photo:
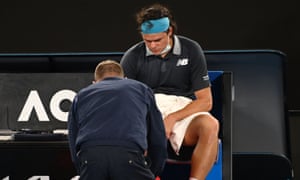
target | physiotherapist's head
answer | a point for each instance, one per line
(157, 27)
(107, 68)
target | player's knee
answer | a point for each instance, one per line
(212, 125)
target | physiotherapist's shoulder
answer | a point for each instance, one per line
(137, 83)
(84, 89)
(134, 82)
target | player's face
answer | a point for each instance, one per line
(156, 42)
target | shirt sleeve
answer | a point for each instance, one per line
(199, 72)
(72, 134)
(157, 141)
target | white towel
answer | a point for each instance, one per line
(171, 103)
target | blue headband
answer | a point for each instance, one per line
(155, 26)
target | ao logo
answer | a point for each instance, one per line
(33, 101)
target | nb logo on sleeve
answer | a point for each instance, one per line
(182, 62)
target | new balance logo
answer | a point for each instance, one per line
(182, 62)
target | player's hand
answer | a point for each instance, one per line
(169, 123)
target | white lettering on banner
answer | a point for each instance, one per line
(39, 178)
(33, 101)
(57, 98)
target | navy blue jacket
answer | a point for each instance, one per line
(120, 112)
